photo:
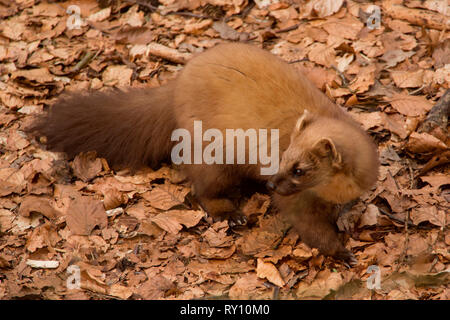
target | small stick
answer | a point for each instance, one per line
(83, 62)
(425, 18)
(295, 26)
(392, 217)
(167, 53)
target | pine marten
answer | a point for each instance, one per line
(327, 159)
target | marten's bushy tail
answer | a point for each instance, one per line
(131, 128)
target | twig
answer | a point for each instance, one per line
(83, 62)
(299, 60)
(344, 79)
(437, 160)
(425, 18)
(170, 54)
(395, 181)
(392, 217)
(411, 175)
(287, 29)
(275, 247)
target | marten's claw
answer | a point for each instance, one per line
(348, 258)
(237, 219)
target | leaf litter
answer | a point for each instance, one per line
(139, 235)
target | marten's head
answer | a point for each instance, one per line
(329, 156)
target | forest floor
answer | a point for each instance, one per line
(76, 229)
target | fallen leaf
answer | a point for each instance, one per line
(117, 75)
(172, 220)
(408, 79)
(321, 286)
(166, 196)
(40, 75)
(436, 180)
(322, 54)
(87, 166)
(410, 105)
(267, 270)
(370, 216)
(322, 8)
(43, 205)
(84, 214)
(424, 142)
(247, 287)
(122, 292)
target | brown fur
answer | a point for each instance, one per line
(229, 87)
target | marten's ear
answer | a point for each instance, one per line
(325, 148)
(304, 119)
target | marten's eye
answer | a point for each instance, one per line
(298, 172)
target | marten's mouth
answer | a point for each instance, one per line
(280, 189)
(284, 192)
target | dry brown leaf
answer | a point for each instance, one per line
(302, 252)
(267, 270)
(41, 75)
(154, 288)
(198, 27)
(394, 57)
(410, 105)
(43, 205)
(134, 35)
(321, 8)
(122, 292)
(436, 180)
(256, 241)
(430, 214)
(364, 79)
(166, 196)
(258, 204)
(208, 252)
(276, 255)
(113, 198)
(228, 33)
(16, 141)
(117, 75)
(322, 54)
(87, 166)
(321, 286)
(348, 27)
(84, 214)
(370, 216)
(216, 235)
(248, 287)
(100, 15)
(172, 220)
(408, 79)
(424, 142)
(6, 219)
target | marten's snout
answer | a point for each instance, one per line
(270, 185)
(280, 185)
(273, 182)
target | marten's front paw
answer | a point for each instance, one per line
(237, 218)
(347, 257)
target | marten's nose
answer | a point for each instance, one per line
(270, 185)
